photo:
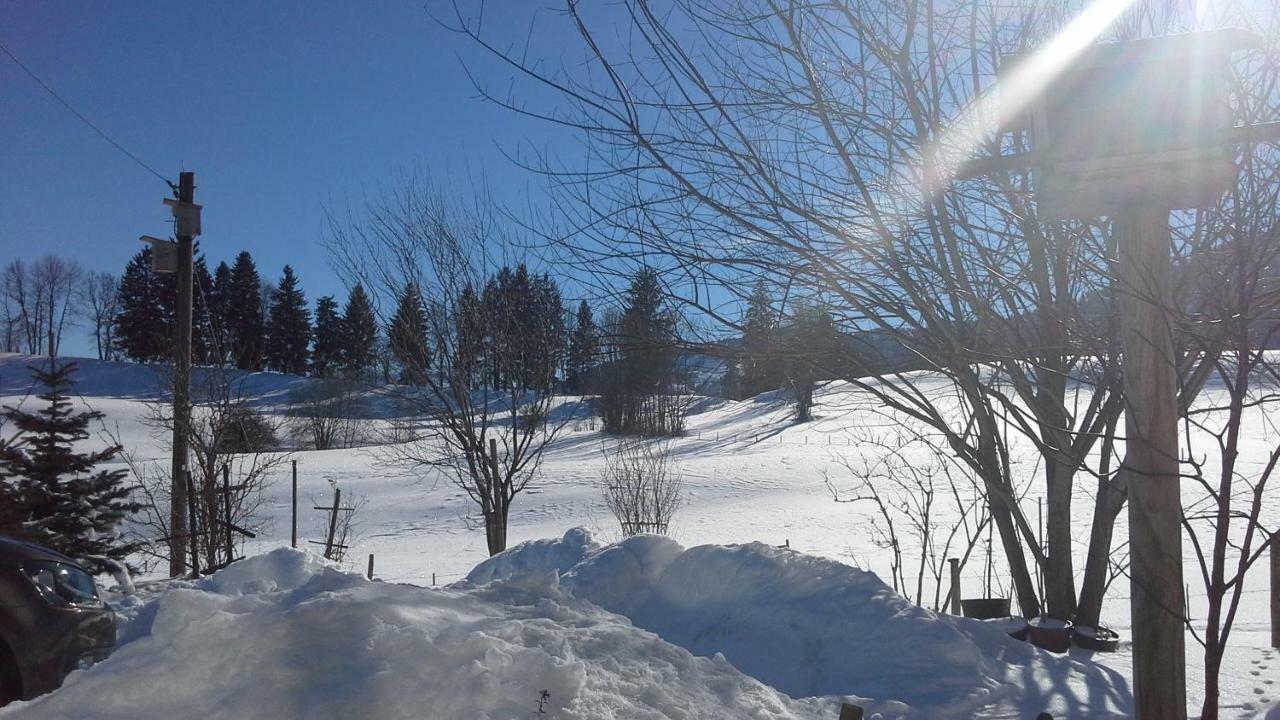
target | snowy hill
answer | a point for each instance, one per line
(750, 475)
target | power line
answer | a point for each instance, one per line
(84, 119)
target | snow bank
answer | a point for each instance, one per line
(284, 635)
(812, 627)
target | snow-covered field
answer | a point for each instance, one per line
(284, 636)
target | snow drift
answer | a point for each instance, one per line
(284, 635)
(809, 626)
(641, 629)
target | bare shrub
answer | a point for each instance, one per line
(641, 486)
(234, 449)
(919, 498)
(329, 414)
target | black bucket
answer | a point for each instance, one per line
(985, 608)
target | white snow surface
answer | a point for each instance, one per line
(640, 629)
(749, 474)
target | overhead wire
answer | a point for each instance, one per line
(84, 119)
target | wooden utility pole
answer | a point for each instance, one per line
(185, 233)
(1157, 604)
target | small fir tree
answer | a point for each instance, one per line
(407, 336)
(469, 329)
(144, 324)
(288, 327)
(359, 334)
(326, 350)
(584, 346)
(761, 367)
(244, 314)
(61, 501)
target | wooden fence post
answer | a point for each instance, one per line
(370, 573)
(226, 506)
(1275, 589)
(191, 523)
(333, 523)
(293, 536)
(955, 586)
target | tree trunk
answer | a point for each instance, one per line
(1107, 507)
(1059, 576)
(1212, 666)
(1024, 588)
(495, 528)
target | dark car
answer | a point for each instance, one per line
(52, 620)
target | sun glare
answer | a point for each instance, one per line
(1003, 103)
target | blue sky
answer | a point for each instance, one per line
(279, 107)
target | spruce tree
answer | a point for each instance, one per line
(219, 307)
(244, 314)
(359, 334)
(469, 330)
(584, 344)
(551, 335)
(761, 368)
(144, 324)
(407, 336)
(288, 332)
(648, 334)
(811, 340)
(326, 350)
(62, 501)
(203, 342)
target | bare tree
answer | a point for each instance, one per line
(327, 414)
(1228, 315)
(641, 486)
(234, 449)
(100, 296)
(815, 145)
(39, 302)
(489, 439)
(915, 489)
(55, 281)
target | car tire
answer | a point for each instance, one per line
(10, 679)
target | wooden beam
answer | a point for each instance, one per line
(1151, 457)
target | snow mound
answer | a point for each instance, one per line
(285, 635)
(810, 626)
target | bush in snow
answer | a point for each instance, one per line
(641, 487)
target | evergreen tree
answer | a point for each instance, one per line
(63, 503)
(244, 314)
(647, 331)
(543, 333)
(407, 336)
(584, 344)
(326, 350)
(761, 368)
(144, 324)
(469, 330)
(220, 298)
(288, 332)
(503, 316)
(359, 334)
(810, 341)
(203, 342)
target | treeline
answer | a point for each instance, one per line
(511, 333)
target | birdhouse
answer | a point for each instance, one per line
(164, 254)
(1143, 121)
(186, 217)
